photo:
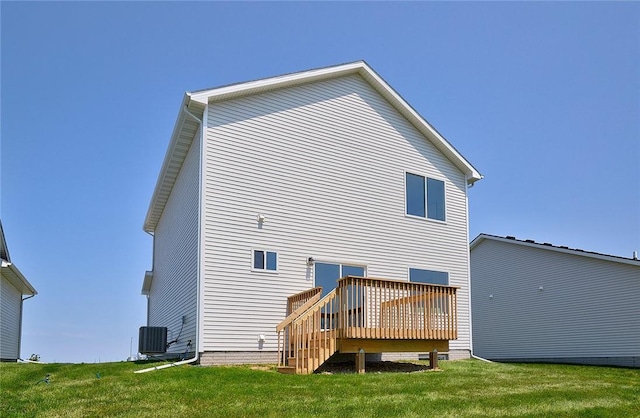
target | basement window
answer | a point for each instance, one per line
(265, 260)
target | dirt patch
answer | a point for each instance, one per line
(262, 368)
(374, 367)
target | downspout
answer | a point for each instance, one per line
(20, 324)
(466, 203)
(196, 356)
(153, 262)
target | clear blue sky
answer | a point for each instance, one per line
(543, 98)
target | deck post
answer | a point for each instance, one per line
(360, 361)
(433, 359)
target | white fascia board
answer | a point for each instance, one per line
(17, 279)
(572, 251)
(477, 240)
(272, 83)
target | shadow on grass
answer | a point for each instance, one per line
(373, 367)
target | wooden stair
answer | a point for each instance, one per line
(312, 337)
(317, 351)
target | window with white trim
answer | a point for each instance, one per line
(265, 260)
(424, 197)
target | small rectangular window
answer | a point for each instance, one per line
(429, 276)
(265, 260)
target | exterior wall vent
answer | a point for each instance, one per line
(152, 340)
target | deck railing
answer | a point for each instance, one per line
(389, 309)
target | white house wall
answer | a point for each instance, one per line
(531, 303)
(10, 320)
(325, 163)
(173, 289)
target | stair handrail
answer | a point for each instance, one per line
(315, 307)
(312, 296)
(302, 333)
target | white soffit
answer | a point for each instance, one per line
(17, 279)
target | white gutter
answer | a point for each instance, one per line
(196, 346)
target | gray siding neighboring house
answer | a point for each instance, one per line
(323, 156)
(12, 289)
(543, 303)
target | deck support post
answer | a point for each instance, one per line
(360, 361)
(433, 359)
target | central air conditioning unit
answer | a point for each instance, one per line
(152, 340)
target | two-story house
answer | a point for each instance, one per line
(272, 187)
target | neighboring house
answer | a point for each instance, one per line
(274, 186)
(13, 287)
(543, 303)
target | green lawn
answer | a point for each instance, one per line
(460, 389)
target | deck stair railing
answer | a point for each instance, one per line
(312, 337)
(296, 305)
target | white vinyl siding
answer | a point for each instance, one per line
(173, 289)
(10, 314)
(325, 163)
(538, 303)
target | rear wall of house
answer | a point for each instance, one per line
(325, 163)
(542, 305)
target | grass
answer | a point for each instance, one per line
(461, 389)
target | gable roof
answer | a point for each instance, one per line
(4, 251)
(550, 247)
(194, 102)
(9, 270)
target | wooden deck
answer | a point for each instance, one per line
(370, 314)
